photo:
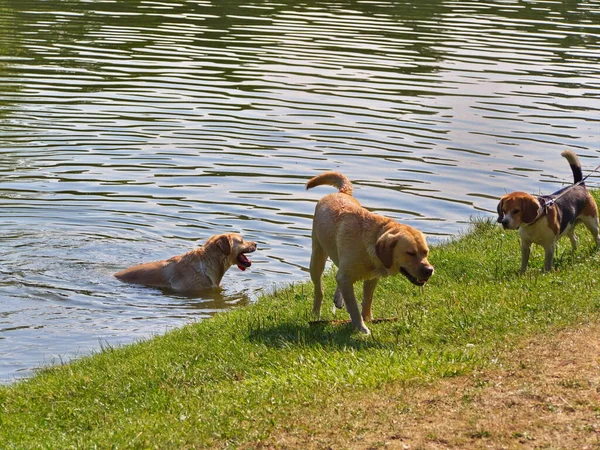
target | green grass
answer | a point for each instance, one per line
(229, 380)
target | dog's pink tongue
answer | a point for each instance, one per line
(243, 262)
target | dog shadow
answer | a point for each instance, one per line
(294, 333)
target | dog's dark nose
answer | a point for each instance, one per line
(499, 220)
(428, 271)
(504, 222)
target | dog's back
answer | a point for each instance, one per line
(574, 200)
(155, 273)
(339, 218)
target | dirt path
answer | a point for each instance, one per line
(548, 396)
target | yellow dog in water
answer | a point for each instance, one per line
(198, 269)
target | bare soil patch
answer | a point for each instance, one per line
(545, 395)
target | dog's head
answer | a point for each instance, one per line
(404, 248)
(234, 248)
(517, 208)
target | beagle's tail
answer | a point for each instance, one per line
(575, 165)
(335, 179)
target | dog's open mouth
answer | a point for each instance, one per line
(242, 260)
(413, 280)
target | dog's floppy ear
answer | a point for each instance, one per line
(500, 211)
(224, 243)
(384, 249)
(529, 209)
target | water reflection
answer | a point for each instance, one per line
(132, 131)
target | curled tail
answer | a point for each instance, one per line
(335, 179)
(575, 165)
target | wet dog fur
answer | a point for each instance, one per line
(199, 269)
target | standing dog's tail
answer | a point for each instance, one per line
(335, 179)
(575, 165)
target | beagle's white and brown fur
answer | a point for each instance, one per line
(543, 225)
(363, 245)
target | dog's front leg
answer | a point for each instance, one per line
(345, 284)
(549, 257)
(525, 251)
(368, 290)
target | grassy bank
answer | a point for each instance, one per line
(234, 379)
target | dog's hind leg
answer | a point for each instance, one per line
(338, 299)
(572, 237)
(591, 224)
(317, 265)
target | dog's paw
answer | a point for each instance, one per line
(364, 330)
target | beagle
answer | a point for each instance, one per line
(543, 220)
(363, 245)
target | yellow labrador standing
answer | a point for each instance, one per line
(364, 246)
(201, 268)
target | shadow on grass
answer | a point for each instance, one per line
(296, 333)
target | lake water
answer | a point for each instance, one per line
(131, 131)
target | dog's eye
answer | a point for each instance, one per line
(516, 211)
(409, 253)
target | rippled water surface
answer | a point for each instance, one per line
(131, 131)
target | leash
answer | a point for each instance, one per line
(546, 205)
